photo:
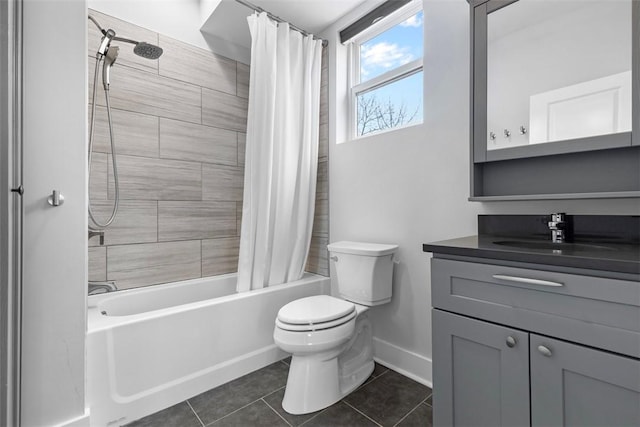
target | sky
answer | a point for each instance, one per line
(399, 45)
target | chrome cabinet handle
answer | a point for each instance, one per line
(545, 351)
(511, 341)
(56, 198)
(527, 280)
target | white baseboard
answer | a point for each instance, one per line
(403, 361)
(81, 421)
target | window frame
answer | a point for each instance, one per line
(356, 88)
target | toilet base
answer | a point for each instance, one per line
(318, 381)
(316, 386)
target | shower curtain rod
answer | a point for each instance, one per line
(278, 19)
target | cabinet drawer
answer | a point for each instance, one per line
(599, 312)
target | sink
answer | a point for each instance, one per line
(544, 245)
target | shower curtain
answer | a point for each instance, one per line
(281, 154)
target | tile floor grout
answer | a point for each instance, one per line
(233, 412)
(362, 413)
(194, 412)
(319, 412)
(411, 411)
(274, 409)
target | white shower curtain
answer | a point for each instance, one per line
(281, 154)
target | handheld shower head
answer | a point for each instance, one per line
(109, 59)
(147, 50)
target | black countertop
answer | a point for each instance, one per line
(615, 257)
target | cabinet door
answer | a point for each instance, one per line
(480, 373)
(574, 385)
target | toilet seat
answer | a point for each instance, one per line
(315, 313)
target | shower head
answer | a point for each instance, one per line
(147, 50)
(109, 59)
(142, 49)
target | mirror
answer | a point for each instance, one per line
(558, 70)
(555, 99)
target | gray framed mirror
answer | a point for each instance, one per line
(555, 87)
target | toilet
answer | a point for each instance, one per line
(330, 338)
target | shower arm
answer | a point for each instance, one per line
(123, 39)
(116, 38)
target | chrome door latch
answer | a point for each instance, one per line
(56, 198)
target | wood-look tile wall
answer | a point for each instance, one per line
(318, 260)
(180, 127)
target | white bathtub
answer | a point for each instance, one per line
(150, 348)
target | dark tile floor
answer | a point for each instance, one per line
(386, 399)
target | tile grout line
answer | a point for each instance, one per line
(277, 413)
(248, 404)
(195, 413)
(316, 415)
(361, 413)
(410, 412)
(381, 374)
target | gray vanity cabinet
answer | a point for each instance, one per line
(518, 345)
(481, 380)
(580, 386)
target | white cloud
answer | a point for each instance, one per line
(385, 55)
(414, 21)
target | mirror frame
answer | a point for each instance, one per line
(481, 158)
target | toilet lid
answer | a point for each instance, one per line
(315, 309)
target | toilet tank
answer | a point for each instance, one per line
(364, 271)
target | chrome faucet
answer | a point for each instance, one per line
(100, 233)
(102, 287)
(557, 225)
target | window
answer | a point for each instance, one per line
(386, 73)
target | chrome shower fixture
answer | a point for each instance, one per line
(142, 49)
(106, 56)
(147, 50)
(109, 60)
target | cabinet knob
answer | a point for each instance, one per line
(511, 342)
(544, 350)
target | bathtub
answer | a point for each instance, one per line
(150, 348)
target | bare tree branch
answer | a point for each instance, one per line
(375, 115)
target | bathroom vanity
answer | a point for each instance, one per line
(530, 332)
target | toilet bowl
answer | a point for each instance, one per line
(322, 370)
(330, 338)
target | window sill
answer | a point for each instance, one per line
(374, 135)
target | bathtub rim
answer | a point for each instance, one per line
(97, 322)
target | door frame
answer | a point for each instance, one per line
(11, 212)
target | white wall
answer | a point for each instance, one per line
(411, 186)
(55, 239)
(178, 19)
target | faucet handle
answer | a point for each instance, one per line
(557, 221)
(557, 225)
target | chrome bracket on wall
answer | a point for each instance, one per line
(56, 198)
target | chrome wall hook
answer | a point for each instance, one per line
(492, 136)
(507, 133)
(523, 130)
(56, 198)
